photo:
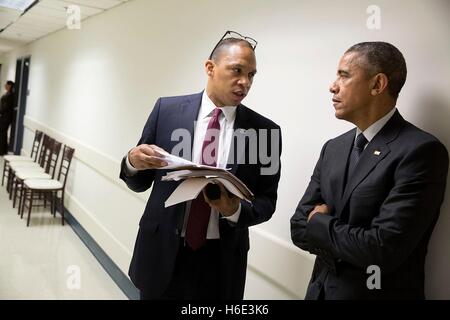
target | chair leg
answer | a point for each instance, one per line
(17, 183)
(24, 199)
(53, 203)
(10, 184)
(21, 197)
(4, 172)
(8, 181)
(55, 195)
(62, 206)
(13, 193)
(29, 209)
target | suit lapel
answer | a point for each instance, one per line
(375, 151)
(340, 166)
(187, 117)
(240, 126)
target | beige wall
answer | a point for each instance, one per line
(94, 88)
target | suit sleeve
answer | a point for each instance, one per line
(143, 180)
(408, 212)
(310, 199)
(263, 206)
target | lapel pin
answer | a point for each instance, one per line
(376, 152)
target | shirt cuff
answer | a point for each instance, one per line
(235, 216)
(131, 171)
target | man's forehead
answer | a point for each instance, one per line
(350, 61)
(237, 50)
(243, 61)
(240, 60)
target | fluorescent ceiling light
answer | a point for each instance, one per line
(20, 5)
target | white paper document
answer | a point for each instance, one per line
(189, 189)
(174, 162)
(196, 177)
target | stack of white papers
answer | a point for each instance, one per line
(196, 177)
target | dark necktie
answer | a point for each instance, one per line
(197, 225)
(358, 148)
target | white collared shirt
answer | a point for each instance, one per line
(374, 128)
(226, 121)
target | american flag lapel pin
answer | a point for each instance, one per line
(376, 152)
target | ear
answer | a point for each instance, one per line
(379, 84)
(209, 68)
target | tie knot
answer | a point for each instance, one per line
(360, 141)
(217, 112)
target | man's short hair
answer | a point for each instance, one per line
(225, 44)
(383, 57)
(10, 83)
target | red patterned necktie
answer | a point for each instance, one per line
(199, 214)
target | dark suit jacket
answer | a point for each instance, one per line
(383, 216)
(160, 228)
(6, 108)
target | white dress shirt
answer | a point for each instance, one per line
(372, 131)
(226, 120)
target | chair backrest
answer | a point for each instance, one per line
(65, 164)
(36, 144)
(47, 142)
(47, 155)
(53, 158)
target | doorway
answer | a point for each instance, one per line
(22, 92)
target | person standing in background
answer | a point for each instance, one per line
(6, 115)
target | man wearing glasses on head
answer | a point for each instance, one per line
(198, 249)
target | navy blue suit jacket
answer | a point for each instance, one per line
(384, 215)
(160, 228)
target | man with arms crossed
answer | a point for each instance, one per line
(376, 191)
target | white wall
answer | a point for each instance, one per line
(94, 88)
(3, 68)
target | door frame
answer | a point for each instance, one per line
(22, 92)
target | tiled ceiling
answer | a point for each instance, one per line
(45, 17)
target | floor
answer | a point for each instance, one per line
(47, 260)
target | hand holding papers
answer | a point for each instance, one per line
(197, 177)
(173, 162)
